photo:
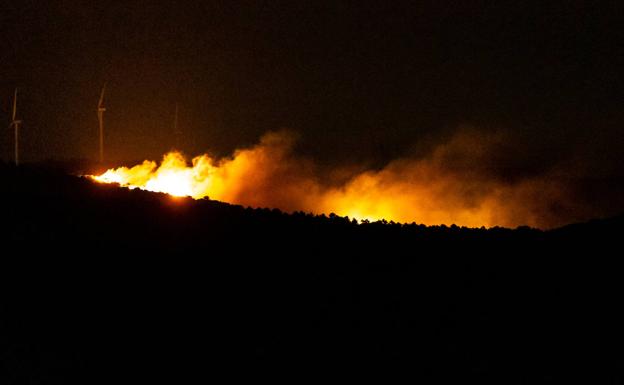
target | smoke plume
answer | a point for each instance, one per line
(472, 179)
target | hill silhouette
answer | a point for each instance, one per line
(108, 285)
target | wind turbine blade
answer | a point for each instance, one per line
(14, 106)
(102, 96)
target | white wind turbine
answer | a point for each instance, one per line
(100, 112)
(15, 123)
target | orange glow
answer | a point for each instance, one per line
(173, 177)
(431, 190)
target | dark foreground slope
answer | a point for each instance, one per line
(107, 285)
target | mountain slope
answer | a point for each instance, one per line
(102, 285)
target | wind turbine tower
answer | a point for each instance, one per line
(15, 123)
(100, 111)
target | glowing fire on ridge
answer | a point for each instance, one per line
(429, 190)
(205, 177)
(173, 177)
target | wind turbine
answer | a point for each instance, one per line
(100, 112)
(15, 123)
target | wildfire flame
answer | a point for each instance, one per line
(425, 190)
(173, 176)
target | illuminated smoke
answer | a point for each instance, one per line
(462, 181)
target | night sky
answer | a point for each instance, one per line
(358, 81)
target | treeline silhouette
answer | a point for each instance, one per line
(108, 285)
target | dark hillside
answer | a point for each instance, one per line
(107, 285)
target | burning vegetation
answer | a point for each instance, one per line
(456, 183)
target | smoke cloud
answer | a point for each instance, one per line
(471, 179)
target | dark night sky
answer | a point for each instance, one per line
(358, 80)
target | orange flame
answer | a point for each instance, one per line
(429, 191)
(173, 176)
